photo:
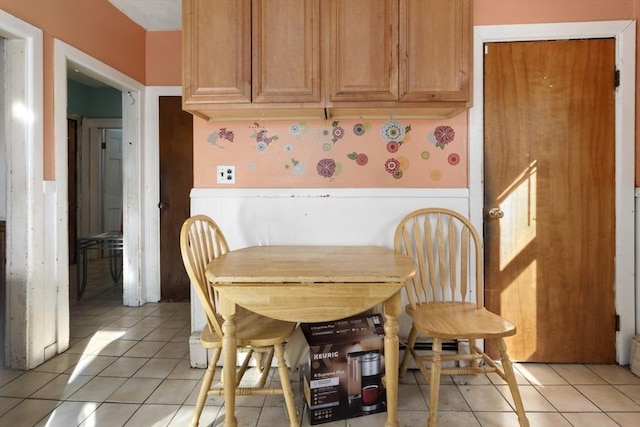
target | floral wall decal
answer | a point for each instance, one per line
(345, 153)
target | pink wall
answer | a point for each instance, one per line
(335, 153)
(94, 27)
(164, 58)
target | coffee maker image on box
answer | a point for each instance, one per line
(366, 393)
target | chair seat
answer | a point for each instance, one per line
(459, 320)
(252, 329)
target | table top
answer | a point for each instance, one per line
(311, 264)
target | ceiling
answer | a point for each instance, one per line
(153, 15)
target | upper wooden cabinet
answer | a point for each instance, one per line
(326, 58)
(409, 51)
(252, 58)
(435, 50)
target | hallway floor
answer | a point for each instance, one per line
(129, 366)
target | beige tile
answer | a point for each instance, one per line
(184, 371)
(625, 419)
(26, 384)
(116, 348)
(157, 368)
(135, 390)
(248, 416)
(173, 392)
(68, 414)
(60, 363)
(97, 389)
(110, 414)
(138, 333)
(154, 321)
(162, 334)
(127, 321)
(144, 349)
(609, 398)
(590, 419)
(615, 374)
(631, 391)
(532, 400)
(8, 375)
(91, 365)
(173, 350)
(28, 412)
(416, 418)
(175, 323)
(153, 415)
(185, 414)
(540, 374)
(449, 399)
(484, 398)
(7, 403)
(577, 374)
(542, 419)
(274, 416)
(567, 399)
(410, 398)
(182, 336)
(61, 387)
(453, 419)
(124, 367)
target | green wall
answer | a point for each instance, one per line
(93, 102)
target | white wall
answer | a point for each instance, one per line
(251, 217)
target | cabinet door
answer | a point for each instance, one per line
(435, 50)
(363, 55)
(216, 51)
(286, 51)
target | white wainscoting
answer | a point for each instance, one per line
(311, 217)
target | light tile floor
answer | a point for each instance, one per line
(129, 366)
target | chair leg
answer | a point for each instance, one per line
(283, 370)
(206, 386)
(507, 367)
(411, 341)
(434, 382)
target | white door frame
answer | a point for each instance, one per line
(25, 345)
(624, 33)
(133, 192)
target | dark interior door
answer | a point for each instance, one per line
(550, 168)
(176, 181)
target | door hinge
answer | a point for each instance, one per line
(104, 145)
(617, 323)
(616, 79)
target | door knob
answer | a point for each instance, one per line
(496, 213)
(163, 205)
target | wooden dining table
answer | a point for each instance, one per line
(311, 284)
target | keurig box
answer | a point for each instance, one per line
(343, 371)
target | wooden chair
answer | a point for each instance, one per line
(201, 241)
(446, 302)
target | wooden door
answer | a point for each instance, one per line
(549, 167)
(72, 186)
(176, 181)
(285, 51)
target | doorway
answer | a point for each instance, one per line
(549, 182)
(624, 34)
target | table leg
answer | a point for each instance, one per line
(229, 345)
(391, 311)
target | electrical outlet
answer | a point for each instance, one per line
(226, 174)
